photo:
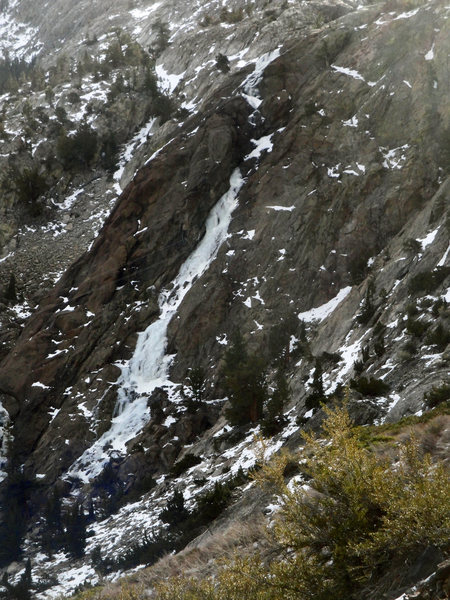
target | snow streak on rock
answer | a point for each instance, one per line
(321, 312)
(149, 366)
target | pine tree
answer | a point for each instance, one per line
(196, 386)
(274, 420)
(368, 307)
(162, 32)
(75, 538)
(78, 150)
(109, 152)
(51, 534)
(222, 63)
(317, 395)
(244, 383)
(10, 294)
(22, 589)
(175, 511)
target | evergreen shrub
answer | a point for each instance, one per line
(369, 386)
(353, 532)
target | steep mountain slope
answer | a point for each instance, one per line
(303, 201)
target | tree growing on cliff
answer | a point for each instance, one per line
(222, 63)
(78, 151)
(161, 32)
(175, 511)
(317, 393)
(274, 419)
(244, 383)
(51, 533)
(196, 388)
(75, 537)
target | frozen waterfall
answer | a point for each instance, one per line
(148, 368)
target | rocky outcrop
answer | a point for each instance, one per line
(341, 138)
(346, 173)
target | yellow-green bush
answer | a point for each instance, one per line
(357, 519)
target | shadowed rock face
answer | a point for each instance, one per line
(355, 119)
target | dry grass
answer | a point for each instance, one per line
(432, 433)
(433, 437)
(197, 559)
(211, 546)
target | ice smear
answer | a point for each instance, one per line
(6, 257)
(127, 153)
(407, 15)
(250, 84)
(349, 354)
(322, 312)
(149, 366)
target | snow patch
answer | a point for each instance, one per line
(353, 122)
(263, 144)
(394, 158)
(322, 312)
(168, 81)
(430, 54)
(443, 260)
(38, 384)
(349, 72)
(140, 14)
(428, 239)
(282, 208)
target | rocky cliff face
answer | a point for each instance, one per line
(327, 148)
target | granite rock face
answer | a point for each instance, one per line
(341, 137)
